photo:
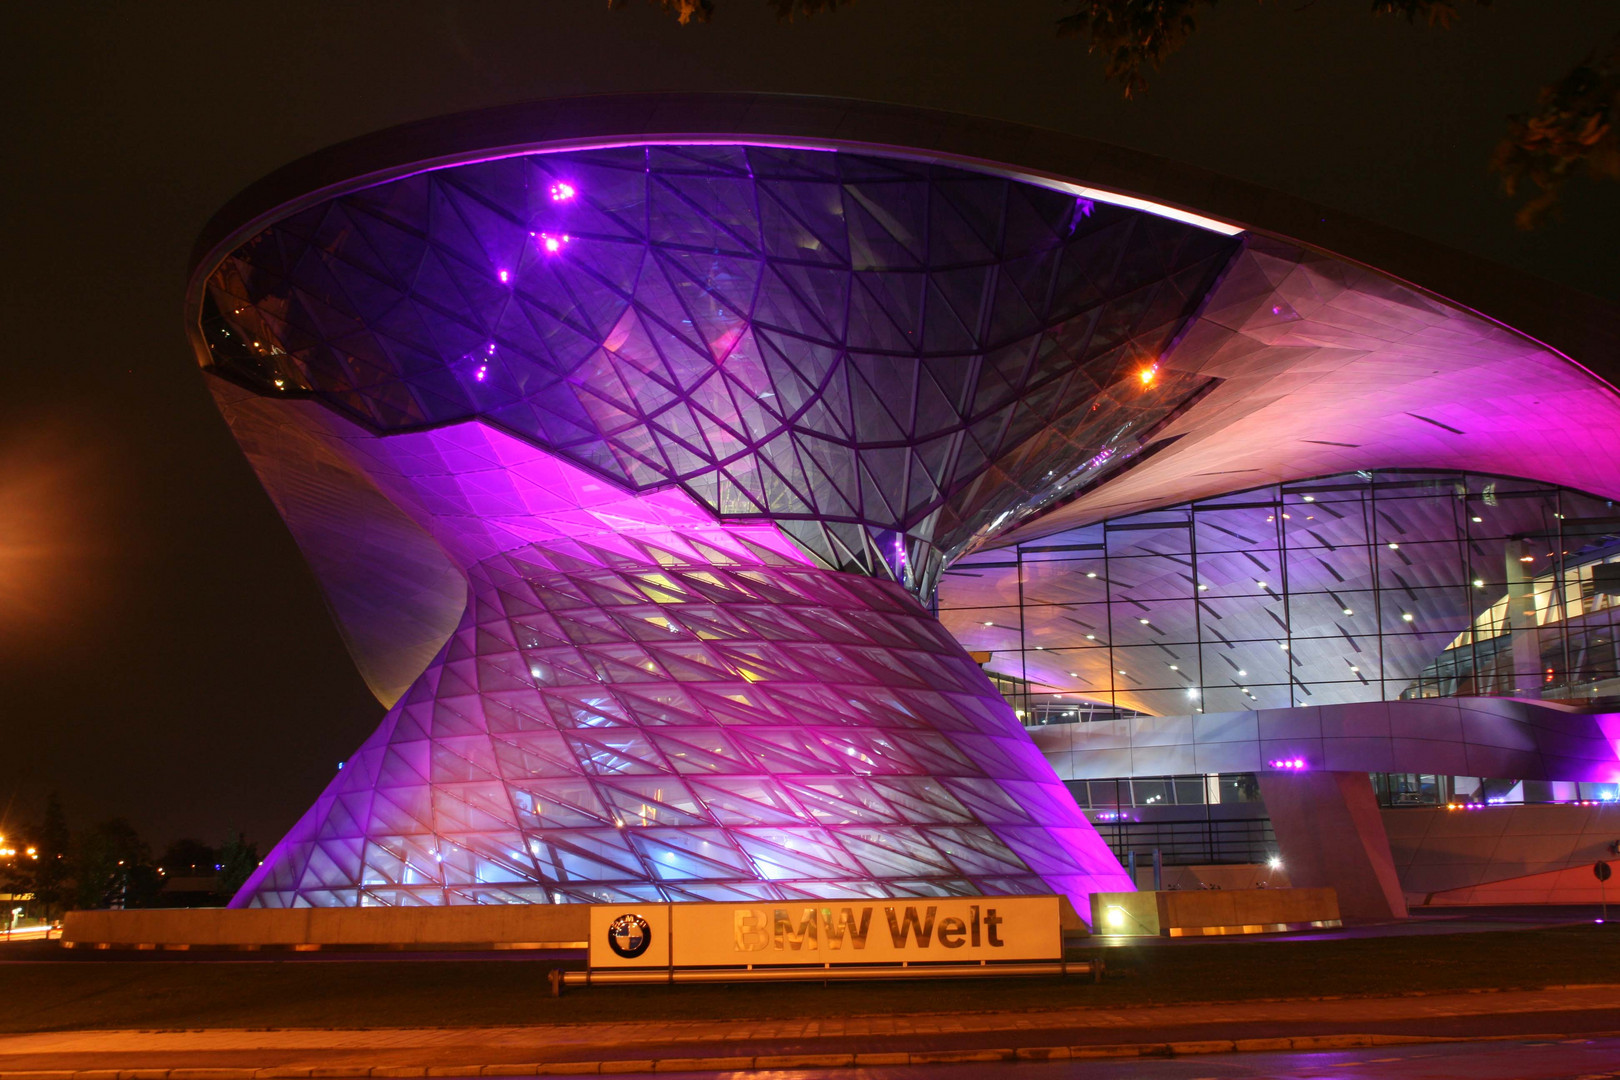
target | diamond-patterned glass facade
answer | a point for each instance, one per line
(642, 702)
(891, 360)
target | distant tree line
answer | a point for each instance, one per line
(109, 865)
(1570, 132)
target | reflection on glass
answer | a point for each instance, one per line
(1362, 587)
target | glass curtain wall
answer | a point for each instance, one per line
(1358, 587)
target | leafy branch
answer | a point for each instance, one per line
(1570, 132)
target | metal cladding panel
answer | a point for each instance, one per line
(1500, 737)
(641, 702)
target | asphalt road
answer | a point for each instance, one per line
(1575, 1059)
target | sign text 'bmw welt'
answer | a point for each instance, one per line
(914, 929)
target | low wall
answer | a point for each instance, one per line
(1463, 853)
(1212, 911)
(481, 926)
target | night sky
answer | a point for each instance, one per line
(165, 654)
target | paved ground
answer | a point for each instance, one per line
(1573, 1011)
(1586, 1059)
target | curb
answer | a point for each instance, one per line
(777, 1061)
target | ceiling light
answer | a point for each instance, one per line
(1407, 616)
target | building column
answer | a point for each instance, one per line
(1525, 682)
(1330, 834)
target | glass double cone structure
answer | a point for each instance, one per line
(630, 472)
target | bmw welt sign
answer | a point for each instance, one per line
(921, 929)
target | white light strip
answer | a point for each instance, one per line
(1157, 209)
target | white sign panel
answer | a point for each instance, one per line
(629, 935)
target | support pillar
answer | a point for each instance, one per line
(1526, 679)
(1330, 834)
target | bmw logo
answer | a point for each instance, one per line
(629, 936)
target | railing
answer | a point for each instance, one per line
(1192, 842)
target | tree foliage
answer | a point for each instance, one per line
(1135, 36)
(237, 860)
(1570, 132)
(1132, 35)
(112, 867)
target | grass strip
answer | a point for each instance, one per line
(263, 992)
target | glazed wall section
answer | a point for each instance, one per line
(1362, 587)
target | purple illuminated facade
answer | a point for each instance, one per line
(640, 701)
(635, 453)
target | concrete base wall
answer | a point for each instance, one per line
(1218, 911)
(506, 925)
(1458, 852)
(1330, 835)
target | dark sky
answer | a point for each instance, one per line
(164, 653)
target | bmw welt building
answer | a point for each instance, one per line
(748, 498)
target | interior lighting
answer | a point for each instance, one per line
(1174, 668)
(1072, 675)
(1203, 588)
(989, 624)
(1144, 622)
(1275, 862)
(562, 191)
(1283, 645)
(1476, 519)
(1349, 611)
(1091, 637)
(1407, 616)
(1242, 673)
(1479, 583)
(1354, 668)
(1310, 498)
(1115, 917)
(1148, 374)
(552, 244)
(504, 275)
(1292, 764)
(1394, 546)
(1122, 671)
(1527, 558)
(1091, 573)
